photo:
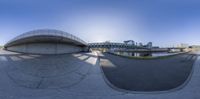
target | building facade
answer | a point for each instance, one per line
(46, 41)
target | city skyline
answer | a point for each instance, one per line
(163, 22)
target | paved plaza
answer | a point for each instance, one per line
(72, 76)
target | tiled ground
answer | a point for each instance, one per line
(75, 76)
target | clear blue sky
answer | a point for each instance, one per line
(164, 22)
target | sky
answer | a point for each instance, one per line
(163, 22)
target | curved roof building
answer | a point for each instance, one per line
(46, 41)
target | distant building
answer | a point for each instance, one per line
(195, 46)
(129, 42)
(155, 47)
(140, 44)
(184, 45)
(149, 45)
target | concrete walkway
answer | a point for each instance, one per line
(89, 86)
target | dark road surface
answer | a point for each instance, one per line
(147, 75)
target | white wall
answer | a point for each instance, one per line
(45, 48)
(20, 48)
(64, 48)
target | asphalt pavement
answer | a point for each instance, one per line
(147, 75)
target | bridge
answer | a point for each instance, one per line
(143, 50)
(112, 45)
(123, 47)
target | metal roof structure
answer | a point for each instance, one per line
(46, 35)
